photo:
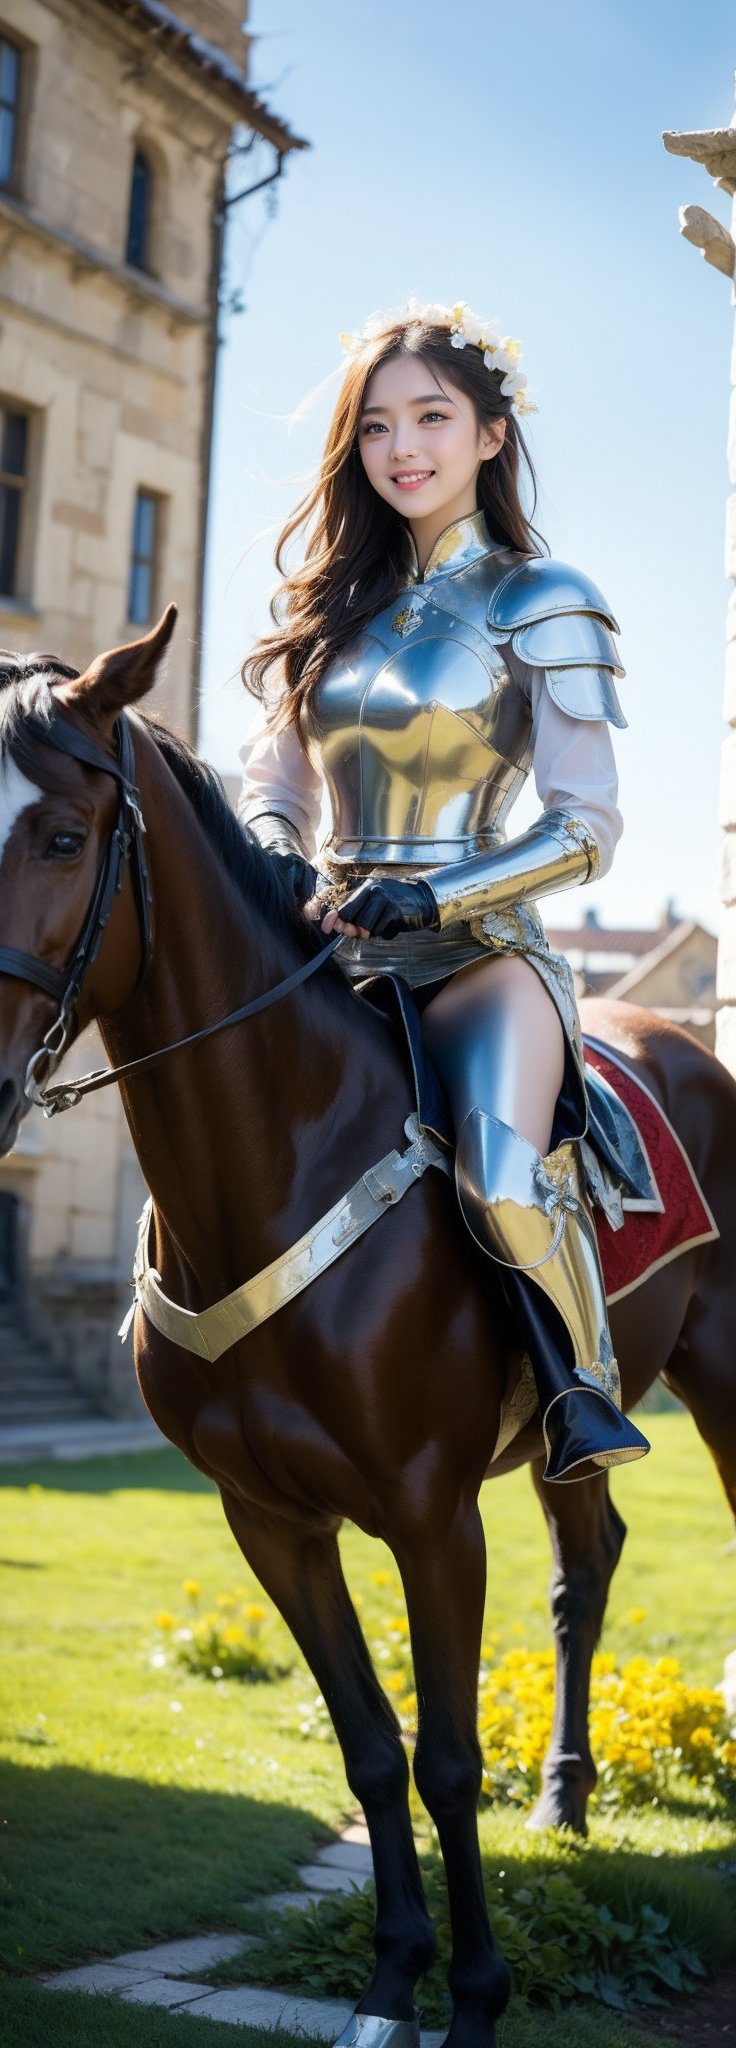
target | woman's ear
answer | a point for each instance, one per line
(492, 437)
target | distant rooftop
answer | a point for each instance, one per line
(591, 937)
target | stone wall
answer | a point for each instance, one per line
(111, 364)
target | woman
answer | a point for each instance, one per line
(426, 654)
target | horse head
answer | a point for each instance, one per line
(66, 830)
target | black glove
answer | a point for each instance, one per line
(390, 906)
(300, 877)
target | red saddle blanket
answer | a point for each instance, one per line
(648, 1240)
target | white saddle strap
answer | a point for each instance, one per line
(214, 1329)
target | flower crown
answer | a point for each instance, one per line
(499, 352)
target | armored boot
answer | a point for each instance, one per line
(531, 1215)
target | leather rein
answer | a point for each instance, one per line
(124, 844)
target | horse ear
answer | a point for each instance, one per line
(122, 676)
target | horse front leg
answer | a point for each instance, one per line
(587, 1536)
(300, 1569)
(443, 1567)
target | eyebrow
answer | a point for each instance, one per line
(430, 398)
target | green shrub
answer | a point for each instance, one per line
(560, 1945)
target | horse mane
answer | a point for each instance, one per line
(255, 871)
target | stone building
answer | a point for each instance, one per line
(670, 969)
(116, 117)
(715, 149)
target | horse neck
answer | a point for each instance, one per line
(248, 1138)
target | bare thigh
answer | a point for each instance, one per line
(497, 1040)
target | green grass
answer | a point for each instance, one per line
(30, 2020)
(144, 1802)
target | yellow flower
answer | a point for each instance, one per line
(635, 1616)
(382, 1578)
(165, 1619)
(255, 1615)
(192, 1588)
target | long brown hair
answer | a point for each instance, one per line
(358, 551)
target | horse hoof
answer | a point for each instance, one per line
(558, 1807)
(366, 2030)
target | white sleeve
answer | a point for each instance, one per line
(278, 779)
(575, 769)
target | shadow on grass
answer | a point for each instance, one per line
(164, 1471)
(94, 1864)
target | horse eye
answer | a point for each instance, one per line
(64, 846)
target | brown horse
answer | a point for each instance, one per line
(376, 1394)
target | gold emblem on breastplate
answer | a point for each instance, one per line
(406, 621)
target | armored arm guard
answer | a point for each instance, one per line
(273, 831)
(553, 620)
(558, 849)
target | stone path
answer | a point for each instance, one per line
(166, 1975)
(90, 1437)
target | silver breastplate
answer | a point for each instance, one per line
(419, 729)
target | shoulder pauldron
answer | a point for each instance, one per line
(557, 620)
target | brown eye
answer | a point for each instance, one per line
(64, 846)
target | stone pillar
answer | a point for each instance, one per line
(726, 983)
(715, 149)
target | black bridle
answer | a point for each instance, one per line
(125, 843)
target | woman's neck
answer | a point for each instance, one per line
(426, 532)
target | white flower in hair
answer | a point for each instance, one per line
(467, 330)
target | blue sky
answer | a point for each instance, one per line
(510, 156)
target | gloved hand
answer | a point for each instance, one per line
(300, 876)
(385, 908)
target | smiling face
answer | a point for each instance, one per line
(421, 443)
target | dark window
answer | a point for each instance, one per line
(143, 559)
(13, 461)
(139, 213)
(9, 95)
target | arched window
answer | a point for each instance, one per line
(144, 552)
(139, 213)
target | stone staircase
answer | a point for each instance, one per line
(34, 1387)
(45, 1414)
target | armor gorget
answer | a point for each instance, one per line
(422, 728)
